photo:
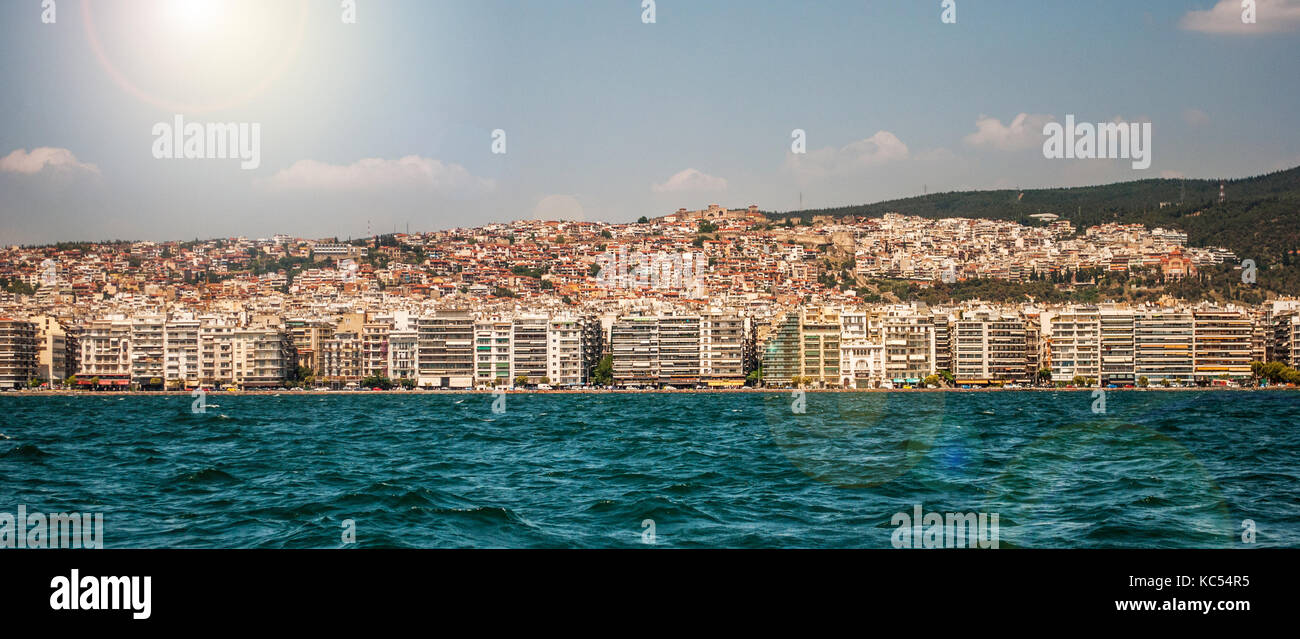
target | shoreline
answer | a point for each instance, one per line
(593, 391)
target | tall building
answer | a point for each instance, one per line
(181, 353)
(634, 344)
(722, 350)
(1223, 344)
(106, 354)
(342, 359)
(403, 349)
(528, 348)
(909, 346)
(1162, 346)
(781, 353)
(1076, 345)
(492, 347)
(446, 350)
(679, 351)
(148, 368)
(18, 348)
(820, 345)
(990, 348)
(53, 363)
(374, 347)
(564, 354)
(942, 342)
(1117, 343)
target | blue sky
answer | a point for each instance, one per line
(390, 119)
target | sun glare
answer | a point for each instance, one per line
(194, 16)
(195, 55)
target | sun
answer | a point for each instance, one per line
(194, 16)
(194, 56)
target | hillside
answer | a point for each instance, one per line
(1259, 220)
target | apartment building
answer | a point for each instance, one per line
(528, 348)
(374, 348)
(53, 342)
(342, 359)
(1118, 345)
(403, 349)
(1223, 344)
(18, 352)
(679, 351)
(722, 350)
(1076, 345)
(908, 339)
(781, 354)
(148, 362)
(307, 336)
(1284, 338)
(492, 352)
(564, 354)
(634, 344)
(990, 349)
(261, 358)
(1163, 346)
(181, 368)
(106, 354)
(819, 355)
(943, 348)
(446, 350)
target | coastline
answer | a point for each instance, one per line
(595, 391)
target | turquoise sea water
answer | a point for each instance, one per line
(1156, 469)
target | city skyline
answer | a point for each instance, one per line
(415, 93)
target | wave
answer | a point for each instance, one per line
(25, 451)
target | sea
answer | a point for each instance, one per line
(1060, 469)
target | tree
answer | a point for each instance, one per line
(1078, 381)
(755, 377)
(377, 381)
(642, 220)
(931, 380)
(1044, 376)
(947, 376)
(521, 380)
(1143, 382)
(604, 373)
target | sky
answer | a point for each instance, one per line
(372, 116)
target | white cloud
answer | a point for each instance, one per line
(1025, 131)
(41, 158)
(1271, 16)
(411, 171)
(559, 207)
(1196, 117)
(879, 149)
(690, 180)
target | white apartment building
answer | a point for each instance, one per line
(1076, 345)
(722, 349)
(564, 352)
(492, 339)
(106, 353)
(402, 349)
